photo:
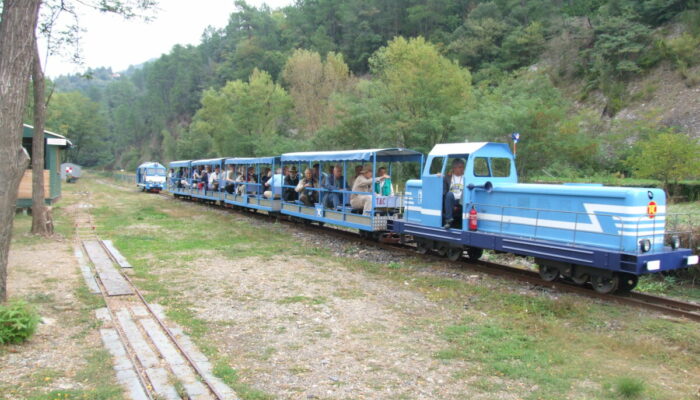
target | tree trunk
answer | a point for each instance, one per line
(17, 25)
(40, 217)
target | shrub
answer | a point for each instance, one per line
(18, 321)
(629, 388)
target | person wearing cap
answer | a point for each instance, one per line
(308, 197)
(363, 183)
(290, 183)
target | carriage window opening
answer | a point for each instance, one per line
(481, 166)
(500, 167)
(436, 165)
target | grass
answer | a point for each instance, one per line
(536, 344)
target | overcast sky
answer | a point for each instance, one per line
(109, 41)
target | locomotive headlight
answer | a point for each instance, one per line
(645, 245)
(675, 242)
(692, 260)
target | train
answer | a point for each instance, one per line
(151, 177)
(459, 199)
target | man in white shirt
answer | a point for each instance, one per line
(214, 179)
(452, 190)
(273, 186)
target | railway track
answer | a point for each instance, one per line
(664, 305)
(152, 360)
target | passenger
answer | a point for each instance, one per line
(267, 174)
(335, 183)
(240, 180)
(452, 190)
(307, 196)
(214, 179)
(229, 180)
(252, 180)
(291, 181)
(363, 183)
(382, 185)
(319, 176)
(273, 185)
(204, 178)
(358, 172)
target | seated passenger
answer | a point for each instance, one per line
(214, 179)
(291, 181)
(240, 180)
(382, 185)
(252, 180)
(308, 197)
(335, 183)
(452, 190)
(273, 185)
(358, 172)
(363, 183)
(229, 180)
(204, 178)
(266, 175)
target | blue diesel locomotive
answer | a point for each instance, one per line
(150, 177)
(467, 199)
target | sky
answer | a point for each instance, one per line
(110, 41)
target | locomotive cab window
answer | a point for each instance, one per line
(481, 166)
(500, 167)
(436, 165)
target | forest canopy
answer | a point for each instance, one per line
(330, 74)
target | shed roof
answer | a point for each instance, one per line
(58, 140)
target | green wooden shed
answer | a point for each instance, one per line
(53, 146)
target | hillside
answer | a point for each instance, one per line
(580, 80)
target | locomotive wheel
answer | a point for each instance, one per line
(454, 253)
(442, 251)
(548, 273)
(627, 283)
(422, 247)
(579, 280)
(475, 253)
(605, 285)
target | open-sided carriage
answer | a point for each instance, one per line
(325, 203)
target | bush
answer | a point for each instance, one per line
(18, 321)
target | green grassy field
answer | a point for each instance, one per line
(534, 344)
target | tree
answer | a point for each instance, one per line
(311, 85)
(243, 118)
(668, 156)
(19, 19)
(41, 216)
(421, 89)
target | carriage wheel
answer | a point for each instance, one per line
(580, 279)
(605, 285)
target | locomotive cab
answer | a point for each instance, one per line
(486, 164)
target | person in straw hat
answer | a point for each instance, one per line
(363, 183)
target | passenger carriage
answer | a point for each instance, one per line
(151, 177)
(180, 180)
(199, 189)
(256, 193)
(339, 212)
(606, 236)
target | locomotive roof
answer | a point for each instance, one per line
(469, 148)
(391, 154)
(151, 164)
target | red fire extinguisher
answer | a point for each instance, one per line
(472, 219)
